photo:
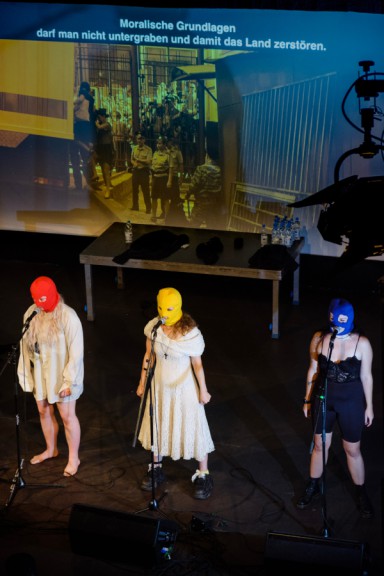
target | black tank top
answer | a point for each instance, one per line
(346, 370)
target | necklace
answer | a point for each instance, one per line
(165, 347)
(343, 337)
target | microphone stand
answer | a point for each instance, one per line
(322, 405)
(153, 504)
(17, 481)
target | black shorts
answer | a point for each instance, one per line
(346, 406)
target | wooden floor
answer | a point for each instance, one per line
(262, 440)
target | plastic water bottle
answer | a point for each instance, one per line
(264, 236)
(275, 231)
(296, 229)
(282, 225)
(287, 234)
(128, 232)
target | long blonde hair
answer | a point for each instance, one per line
(45, 327)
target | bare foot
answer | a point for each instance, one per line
(43, 456)
(71, 469)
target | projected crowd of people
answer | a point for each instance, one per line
(168, 183)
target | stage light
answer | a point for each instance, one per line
(351, 216)
(351, 213)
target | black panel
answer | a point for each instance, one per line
(313, 555)
(120, 537)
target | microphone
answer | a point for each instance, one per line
(335, 331)
(158, 324)
(32, 315)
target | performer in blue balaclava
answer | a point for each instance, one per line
(339, 377)
(341, 316)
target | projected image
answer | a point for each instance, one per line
(117, 126)
(222, 119)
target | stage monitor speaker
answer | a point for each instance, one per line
(120, 537)
(313, 555)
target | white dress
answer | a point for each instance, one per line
(180, 427)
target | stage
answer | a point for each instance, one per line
(261, 437)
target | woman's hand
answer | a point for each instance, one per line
(307, 410)
(205, 397)
(368, 418)
(140, 390)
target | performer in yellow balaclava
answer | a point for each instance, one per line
(169, 304)
(178, 395)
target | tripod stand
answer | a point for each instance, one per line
(17, 481)
(154, 503)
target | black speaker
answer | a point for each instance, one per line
(121, 537)
(314, 555)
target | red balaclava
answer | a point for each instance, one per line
(44, 293)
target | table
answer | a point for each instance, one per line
(232, 261)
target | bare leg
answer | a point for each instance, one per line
(72, 434)
(316, 466)
(355, 462)
(356, 469)
(203, 464)
(50, 428)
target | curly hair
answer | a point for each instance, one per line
(185, 324)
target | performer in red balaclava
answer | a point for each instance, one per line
(44, 293)
(51, 366)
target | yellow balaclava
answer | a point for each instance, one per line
(169, 305)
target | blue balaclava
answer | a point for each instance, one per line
(341, 316)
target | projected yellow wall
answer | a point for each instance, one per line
(36, 88)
